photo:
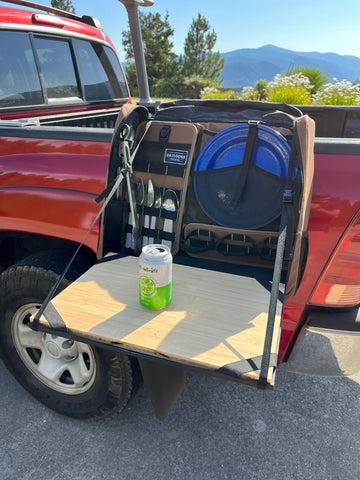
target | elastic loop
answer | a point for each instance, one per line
(198, 245)
(228, 249)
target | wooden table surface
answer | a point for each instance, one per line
(215, 320)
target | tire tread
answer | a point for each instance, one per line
(120, 374)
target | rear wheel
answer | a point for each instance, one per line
(70, 377)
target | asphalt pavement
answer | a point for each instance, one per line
(308, 428)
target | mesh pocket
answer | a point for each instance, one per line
(260, 202)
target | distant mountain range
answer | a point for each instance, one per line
(246, 66)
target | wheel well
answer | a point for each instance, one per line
(15, 246)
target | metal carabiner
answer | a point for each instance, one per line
(124, 138)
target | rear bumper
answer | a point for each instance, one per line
(328, 344)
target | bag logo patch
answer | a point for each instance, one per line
(179, 157)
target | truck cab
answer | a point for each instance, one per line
(52, 65)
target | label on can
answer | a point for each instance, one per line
(155, 264)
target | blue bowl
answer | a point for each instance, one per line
(227, 149)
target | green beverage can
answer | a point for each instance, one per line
(155, 264)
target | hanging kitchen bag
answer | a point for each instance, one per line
(239, 176)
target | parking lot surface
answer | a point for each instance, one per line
(307, 428)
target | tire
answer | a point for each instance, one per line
(72, 378)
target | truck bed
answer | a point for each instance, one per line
(82, 154)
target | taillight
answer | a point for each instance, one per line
(340, 283)
(48, 19)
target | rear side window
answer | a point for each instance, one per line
(118, 71)
(38, 69)
(100, 72)
(57, 68)
(19, 79)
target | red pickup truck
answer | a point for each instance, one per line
(61, 88)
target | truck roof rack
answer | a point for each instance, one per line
(94, 22)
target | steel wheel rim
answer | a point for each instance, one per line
(61, 364)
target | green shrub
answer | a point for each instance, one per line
(213, 93)
(317, 77)
(285, 94)
(261, 87)
(168, 88)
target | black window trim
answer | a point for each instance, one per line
(38, 68)
(65, 100)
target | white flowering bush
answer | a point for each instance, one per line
(208, 92)
(295, 88)
(338, 93)
(248, 93)
(296, 80)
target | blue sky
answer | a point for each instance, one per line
(301, 25)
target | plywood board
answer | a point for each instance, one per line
(215, 319)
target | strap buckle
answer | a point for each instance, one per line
(288, 196)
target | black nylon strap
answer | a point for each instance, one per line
(105, 193)
(153, 233)
(246, 365)
(265, 361)
(246, 163)
(164, 135)
(285, 215)
(291, 220)
(54, 318)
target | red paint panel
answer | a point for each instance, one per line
(52, 190)
(24, 17)
(55, 213)
(31, 162)
(335, 201)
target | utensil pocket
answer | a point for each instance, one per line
(164, 157)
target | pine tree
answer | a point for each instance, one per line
(65, 5)
(160, 60)
(199, 60)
